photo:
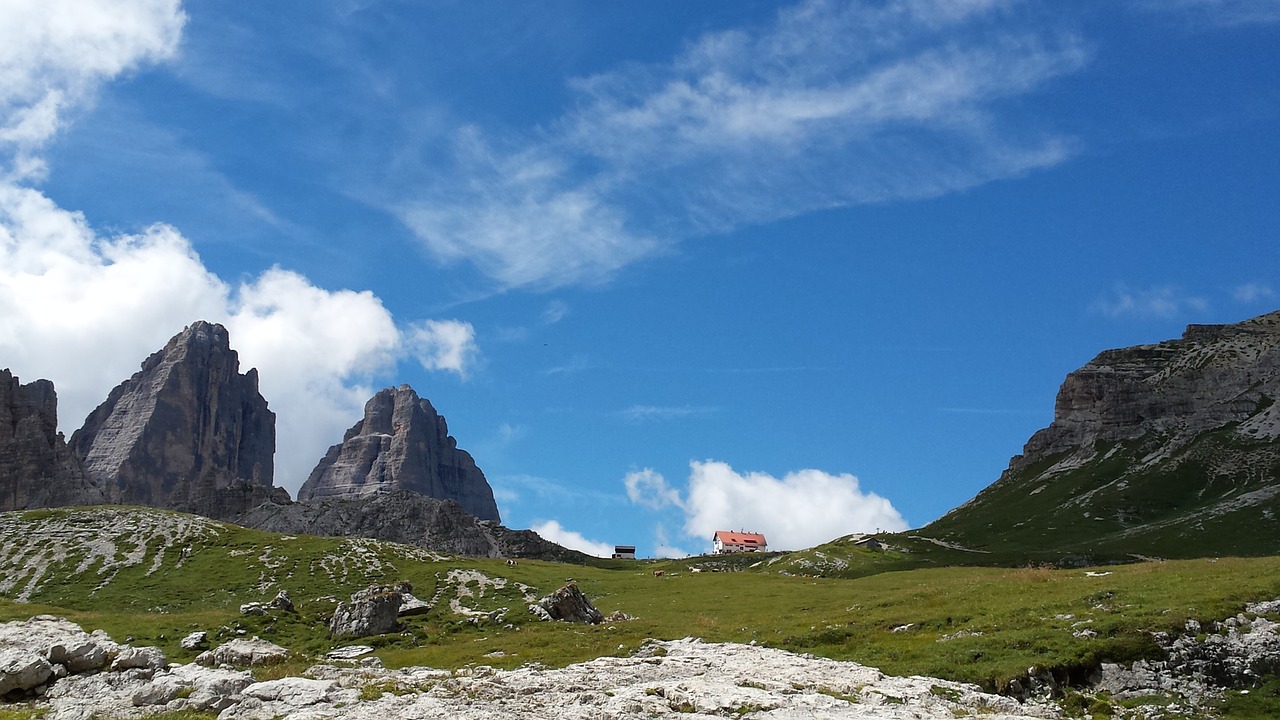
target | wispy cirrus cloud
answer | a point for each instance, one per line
(1253, 293)
(1227, 13)
(828, 105)
(1152, 302)
(658, 413)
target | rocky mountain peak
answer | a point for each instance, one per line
(186, 432)
(402, 443)
(36, 468)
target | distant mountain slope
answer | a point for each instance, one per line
(1169, 450)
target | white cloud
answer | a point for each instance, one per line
(315, 351)
(641, 413)
(554, 312)
(522, 220)
(54, 54)
(444, 345)
(1251, 293)
(553, 531)
(648, 488)
(1153, 302)
(802, 509)
(831, 104)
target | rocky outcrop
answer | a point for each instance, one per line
(372, 611)
(1166, 450)
(1174, 391)
(36, 467)
(242, 651)
(568, 604)
(1201, 662)
(187, 432)
(670, 679)
(406, 517)
(401, 444)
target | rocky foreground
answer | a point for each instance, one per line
(76, 675)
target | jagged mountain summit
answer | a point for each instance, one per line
(1171, 450)
(186, 432)
(402, 443)
(36, 467)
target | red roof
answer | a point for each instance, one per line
(740, 538)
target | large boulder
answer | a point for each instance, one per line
(61, 642)
(22, 670)
(36, 467)
(241, 651)
(187, 432)
(372, 611)
(402, 443)
(570, 605)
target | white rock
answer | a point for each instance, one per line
(240, 651)
(195, 640)
(141, 657)
(350, 652)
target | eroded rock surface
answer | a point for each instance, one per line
(187, 432)
(372, 611)
(664, 680)
(402, 443)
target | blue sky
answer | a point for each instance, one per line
(803, 268)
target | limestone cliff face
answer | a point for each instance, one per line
(36, 468)
(1171, 449)
(187, 432)
(1170, 392)
(401, 444)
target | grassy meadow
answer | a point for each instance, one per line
(978, 624)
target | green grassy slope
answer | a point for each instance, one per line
(984, 625)
(1217, 496)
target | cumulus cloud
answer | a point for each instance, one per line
(1153, 302)
(830, 104)
(553, 531)
(648, 488)
(444, 345)
(799, 510)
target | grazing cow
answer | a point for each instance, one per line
(659, 573)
